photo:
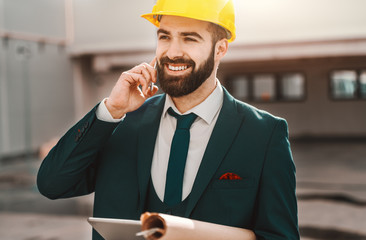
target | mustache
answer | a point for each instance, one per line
(180, 60)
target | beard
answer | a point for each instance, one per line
(178, 86)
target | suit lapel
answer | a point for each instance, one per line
(222, 137)
(146, 143)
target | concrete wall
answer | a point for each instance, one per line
(36, 79)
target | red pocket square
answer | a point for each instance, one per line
(230, 176)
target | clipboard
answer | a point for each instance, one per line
(116, 229)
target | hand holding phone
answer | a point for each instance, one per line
(132, 89)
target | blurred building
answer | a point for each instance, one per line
(36, 85)
(302, 60)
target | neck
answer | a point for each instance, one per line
(187, 102)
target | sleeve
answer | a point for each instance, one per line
(276, 216)
(69, 168)
(103, 114)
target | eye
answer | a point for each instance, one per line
(188, 39)
(163, 37)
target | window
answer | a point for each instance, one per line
(348, 84)
(264, 87)
(268, 87)
(240, 87)
(344, 84)
(363, 84)
(292, 86)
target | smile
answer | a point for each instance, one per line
(177, 68)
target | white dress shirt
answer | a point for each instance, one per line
(200, 132)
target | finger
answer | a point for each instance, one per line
(138, 68)
(153, 62)
(137, 79)
(153, 92)
(147, 74)
(147, 70)
(146, 78)
(152, 70)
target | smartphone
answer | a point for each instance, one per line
(157, 79)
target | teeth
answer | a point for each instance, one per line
(180, 68)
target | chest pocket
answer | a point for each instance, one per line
(232, 184)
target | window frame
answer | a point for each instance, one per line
(279, 97)
(358, 95)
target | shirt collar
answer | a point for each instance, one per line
(206, 110)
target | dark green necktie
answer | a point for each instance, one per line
(177, 158)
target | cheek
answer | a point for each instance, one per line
(160, 49)
(158, 54)
(200, 57)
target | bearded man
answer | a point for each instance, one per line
(194, 151)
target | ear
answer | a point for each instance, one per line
(221, 48)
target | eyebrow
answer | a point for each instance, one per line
(184, 34)
(193, 34)
(162, 31)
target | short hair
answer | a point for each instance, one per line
(218, 32)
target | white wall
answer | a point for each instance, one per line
(34, 16)
(112, 25)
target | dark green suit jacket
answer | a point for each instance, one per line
(114, 161)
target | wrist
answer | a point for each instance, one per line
(115, 112)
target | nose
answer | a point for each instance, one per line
(174, 50)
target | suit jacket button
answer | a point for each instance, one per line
(168, 212)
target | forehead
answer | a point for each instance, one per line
(183, 24)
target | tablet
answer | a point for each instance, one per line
(116, 229)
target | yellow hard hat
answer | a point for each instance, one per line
(220, 12)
